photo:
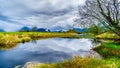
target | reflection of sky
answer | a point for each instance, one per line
(41, 13)
(48, 50)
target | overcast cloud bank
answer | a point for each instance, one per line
(50, 14)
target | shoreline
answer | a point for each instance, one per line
(11, 39)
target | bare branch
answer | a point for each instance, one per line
(105, 11)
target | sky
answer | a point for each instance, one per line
(51, 14)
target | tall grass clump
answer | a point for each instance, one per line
(7, 41)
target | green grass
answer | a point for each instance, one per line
(112, 45)
(108, 50)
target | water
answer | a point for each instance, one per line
(45, 51)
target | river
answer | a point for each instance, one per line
(46, 51)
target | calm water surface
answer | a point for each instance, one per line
(45, 51)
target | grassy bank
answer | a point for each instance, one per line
(108, 50)
(10, 39)
(108, 35)
(78, 62)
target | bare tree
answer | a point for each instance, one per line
(106, 12)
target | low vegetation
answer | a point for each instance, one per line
(111, 48)
(78, 62)
(10, 39)
(108, 35)
(108, 50)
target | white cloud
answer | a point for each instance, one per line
(41, 13)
